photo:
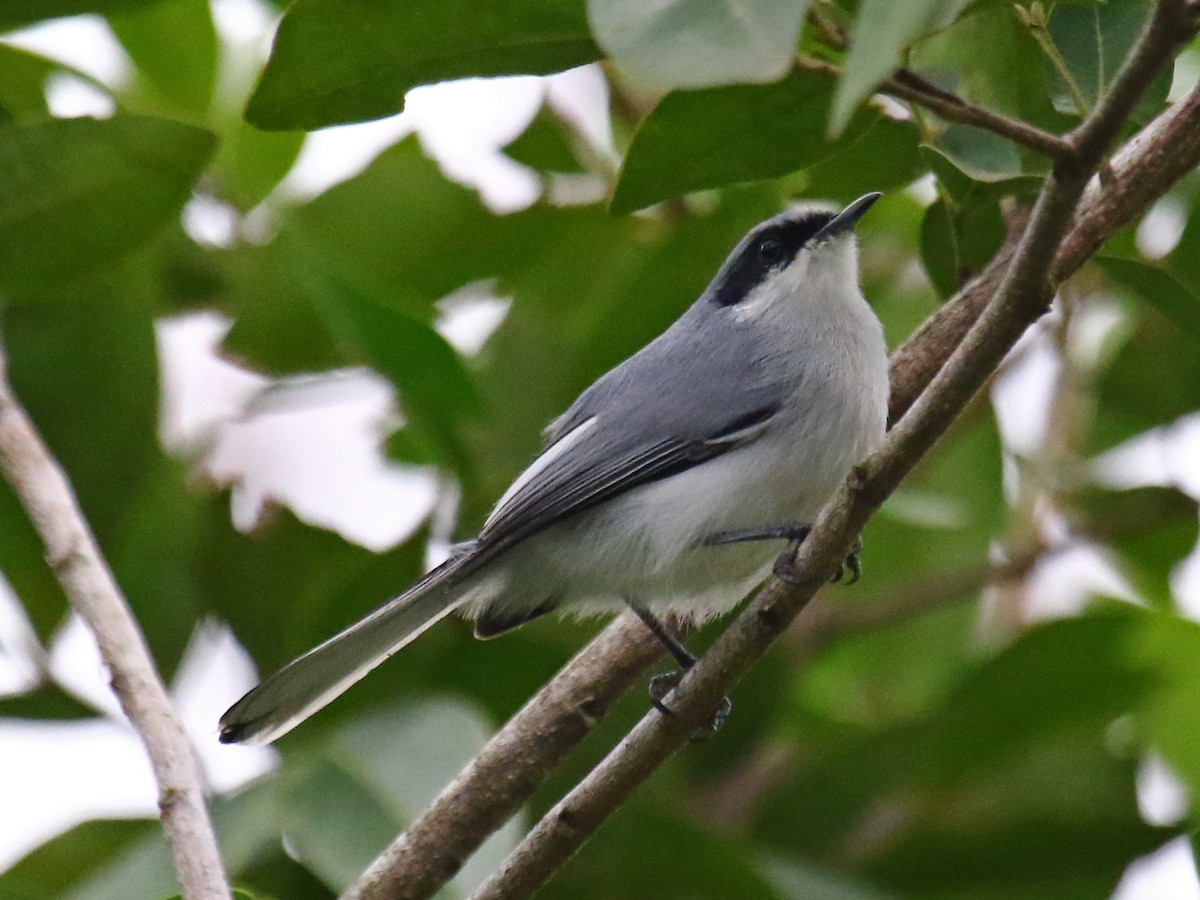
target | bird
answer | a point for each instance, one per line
(661, 486)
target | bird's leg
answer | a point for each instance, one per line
(661, 685)
(794, 533)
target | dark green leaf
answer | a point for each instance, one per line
(251, 163)
(695, 140)
(884, 156)
(697, 43)
(545, 145)
(1008, 789)
(23, 82)
(338, 61)
(1094, 39)
(881, 32)
(939, 249)
(80, 193)
(174, 45)
(1159, 288)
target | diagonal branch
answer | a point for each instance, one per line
(72, 553)
(496, 784)
(1022, 297)
(908, 85)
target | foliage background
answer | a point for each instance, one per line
(988, 745)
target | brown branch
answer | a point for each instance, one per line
(908, 85)
(904, 84)
(495, 785)
(72, 553)
(1023, 295)
(512, 765)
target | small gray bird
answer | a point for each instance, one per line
(659, 485)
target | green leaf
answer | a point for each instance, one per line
(698, 43)
(988, 57)
(1132, 394)
(1008, 788)
(696, 140)
(435, 388)
(81, 193)
(276, 330)
(340, 61)
(59, 864)
(1155, 528)
(173, 43)
(545, 145)
(1094, 39)
(251, 163)
(1158, 287)
(884, 156)
(23, 82)
(881, 32)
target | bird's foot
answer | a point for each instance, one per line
(662, 685)
(785, 565)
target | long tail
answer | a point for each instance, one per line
(318, 677)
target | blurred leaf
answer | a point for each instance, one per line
(1007, 790)
(1159, 288)
(1132, 395)
(1094, 39)
(80, 192)
(697, 43)
(340, 61)
(23, 82)
(1154, 528)
(276, 330)
(45, 702)
(882, 30)
(173, 43)
(251, 163)
(24, 567)
(545, 145)
(15, 13)
(246, 825)
(649, 850)
(328, 794)
(439, 236)
(84, 364)
(311, 581)
(62, 862)
(958, 242)
(797, 880)
(712, 138)
(434, 386)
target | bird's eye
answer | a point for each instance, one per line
(770, 251)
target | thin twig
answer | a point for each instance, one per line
(1144, 170)
(72, 553)
(1021, 298)
(908, 85)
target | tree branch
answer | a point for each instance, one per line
(495, 785)
(908, 85)
(1023, 295)
(72, 553)
(509, 769)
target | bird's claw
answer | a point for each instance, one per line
(662, 685)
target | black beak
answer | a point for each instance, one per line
(848, 217)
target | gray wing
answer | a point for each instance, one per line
(695, 393)
(594, 470)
